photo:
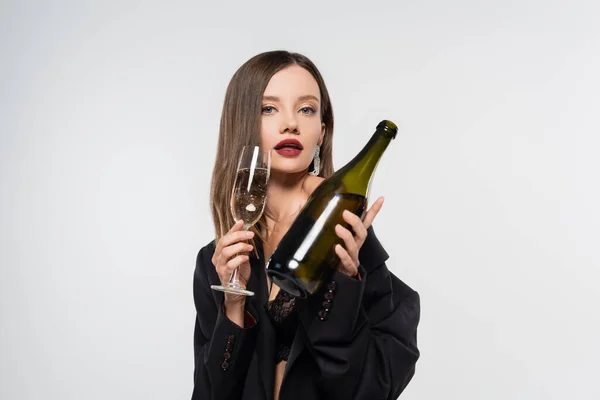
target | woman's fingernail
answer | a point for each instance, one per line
(250, 234)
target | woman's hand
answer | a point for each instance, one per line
(348, 253)
(227, 257)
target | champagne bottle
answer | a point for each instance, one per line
(305, 256)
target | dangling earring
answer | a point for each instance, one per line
(316, 162)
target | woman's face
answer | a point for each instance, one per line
(291, 110)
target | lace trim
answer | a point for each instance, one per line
(282, 306)
(283, 352)
(281, 312)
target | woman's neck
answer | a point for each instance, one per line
(286, 195)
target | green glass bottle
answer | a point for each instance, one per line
(305, 256)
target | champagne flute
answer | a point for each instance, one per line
(248, 200)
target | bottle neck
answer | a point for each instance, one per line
(362, 167)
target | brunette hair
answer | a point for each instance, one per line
(240, 126)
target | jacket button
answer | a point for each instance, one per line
(328, 296)
(231, 338)
(227, 355)
(332, 286)
(327, 304)
(322, 315)
(225, 365)
(229, 346)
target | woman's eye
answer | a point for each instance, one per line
(268, 109)
(307, 110)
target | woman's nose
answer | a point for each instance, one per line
(289, 124)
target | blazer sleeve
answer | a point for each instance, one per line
(222, 350)
(363, 334)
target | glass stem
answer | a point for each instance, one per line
(234, 279)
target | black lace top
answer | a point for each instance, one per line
(282, 311)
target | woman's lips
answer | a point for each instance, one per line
(289, 147)
(288, 152)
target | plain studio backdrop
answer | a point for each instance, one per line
(109, 115)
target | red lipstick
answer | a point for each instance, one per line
(289, 148)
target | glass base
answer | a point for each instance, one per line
(232, 289)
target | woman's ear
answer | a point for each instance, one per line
(323, 131)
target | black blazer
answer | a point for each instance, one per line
(364, 348)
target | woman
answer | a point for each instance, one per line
(356, 338)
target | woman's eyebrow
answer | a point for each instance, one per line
(271, 98)
(301, 98)
(308, 97)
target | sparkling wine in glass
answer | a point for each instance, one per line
(248, 200)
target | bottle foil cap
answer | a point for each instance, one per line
(388, 126)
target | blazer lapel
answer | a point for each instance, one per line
(265, 345)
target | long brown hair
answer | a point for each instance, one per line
(240, 126)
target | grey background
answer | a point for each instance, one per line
(109, 114)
